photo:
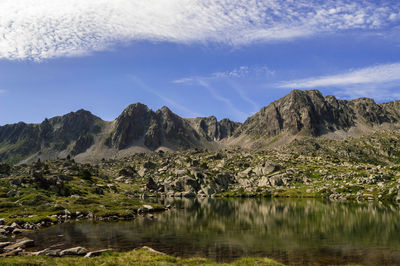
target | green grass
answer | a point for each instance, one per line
(136, 257)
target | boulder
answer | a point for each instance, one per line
(13, 252)
(149, 165)
(276, 181)
(127, 172)
(186, 183)
(19, 231)
(20, 244)
(4, 244)
(266, 169)
(5, 169)
(142, 172)
(263, 182)
(246, 173)
(96, 253)
(148, 207)
(152, 250)
(76, 251)
(223, 180)
(53, 253)
(151, 184)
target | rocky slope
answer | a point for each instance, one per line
(139, 129)
(311, 114)
(72, 134)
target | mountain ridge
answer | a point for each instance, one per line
(138, 128)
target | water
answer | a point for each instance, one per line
(294, 232)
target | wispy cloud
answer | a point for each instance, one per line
(230, 78)
(171, 103)
(236, 73)
(243, 95)
(370, 75)
(41, 29)
(375, 81)
(235, 111)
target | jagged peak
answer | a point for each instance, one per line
(364, 100)
(133, 109)
(297, 92)
(164, 110)
(137, 105)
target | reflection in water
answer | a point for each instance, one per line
(290, 231)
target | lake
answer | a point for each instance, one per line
(292, 231)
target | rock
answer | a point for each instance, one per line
(398, 197)
(276, 181)
(76, 251)
(142, 172)
(53, 253)
(13, 252)
(4, 244)
(208, 190)
(180, 172)
(151, 184)
(12, 193)
(5, 169)
(15, 225)
(186, 183)
(223, 180)
(189, 194)
(266, 169)
(149, 165)
(96, 253)
(246, 173)
(127, 172)
(18, 231)
(2, 221)
(148, 207)
(21, 243)
(38, 253)
(263, 182)
(152, 250)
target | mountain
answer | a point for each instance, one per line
(299, 114)
(311, 114)
(74, 132)
(88, 138)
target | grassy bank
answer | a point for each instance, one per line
(136, 257)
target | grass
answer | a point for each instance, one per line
(136, 257)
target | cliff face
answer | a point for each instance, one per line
(305, 113)
(213, 130)
(139, 124)
(73, 132)
(309, 113)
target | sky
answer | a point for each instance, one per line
(227, 58)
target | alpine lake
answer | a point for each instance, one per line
(291, 231)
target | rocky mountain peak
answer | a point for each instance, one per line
(310, 113)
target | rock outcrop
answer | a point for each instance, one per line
(311, 114)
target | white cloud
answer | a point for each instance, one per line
(236, 73)
(371, 75)
(41, 29)
(377, 93)
(381, 82)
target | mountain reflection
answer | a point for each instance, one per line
(291, 231)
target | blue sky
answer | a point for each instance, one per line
(199, 58)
